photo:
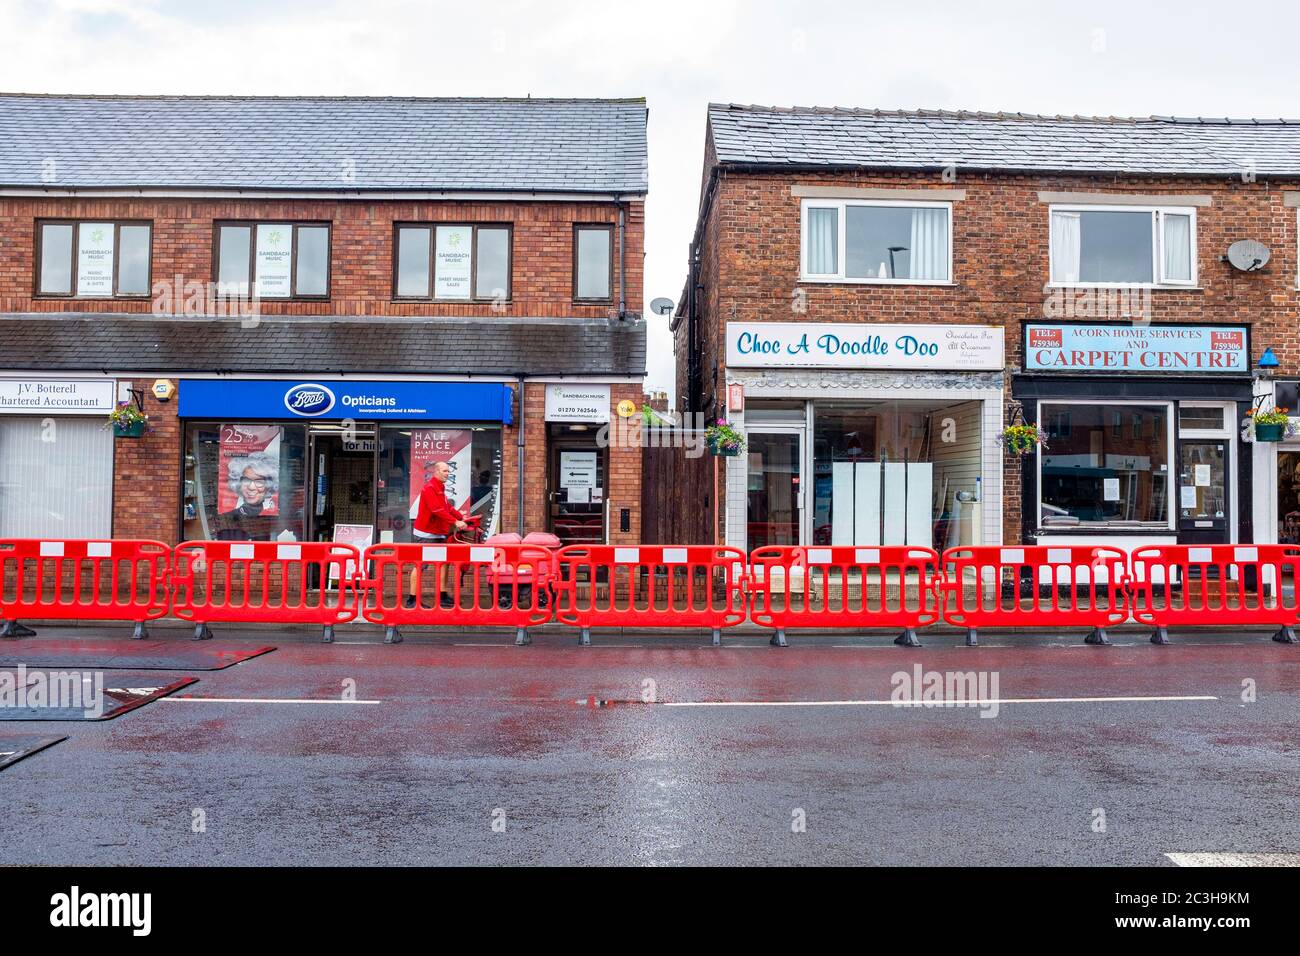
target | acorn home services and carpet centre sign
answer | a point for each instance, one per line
(1158, 349)
(864, 345)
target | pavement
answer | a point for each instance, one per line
(463, 749)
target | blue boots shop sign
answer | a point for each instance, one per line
(867, 345)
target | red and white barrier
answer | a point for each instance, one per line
(651, 586)
(122, 580)
(526, 584)
(1035, 586)
(459, 585)
(1227, 585)
(845, 587)
(307, 582)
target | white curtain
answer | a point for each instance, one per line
(823, 241)
(929, 246)
(1067, 245)
(1178, 248)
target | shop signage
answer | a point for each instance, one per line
(95, 258)
(451, 266)
(335, 400)
(864, 345)
(1157, 349)
(274, 260)
(577, 403)
(46, 397)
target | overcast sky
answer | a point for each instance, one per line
(1103, 58)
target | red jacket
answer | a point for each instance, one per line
(436, 515)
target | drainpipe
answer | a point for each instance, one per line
(622, 261)
(519, 444)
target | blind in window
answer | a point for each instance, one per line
(56, 479)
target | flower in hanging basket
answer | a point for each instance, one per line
(127, 420)
(723, 438)
(1269, 425)
(1022, 439)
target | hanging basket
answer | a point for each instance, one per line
(719, 450)
(1269, 433)
(128, 429)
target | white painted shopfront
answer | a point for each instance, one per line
(865, 434)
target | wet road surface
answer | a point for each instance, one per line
(426, 753)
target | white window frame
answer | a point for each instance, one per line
(1225, 430)
(1157, 214)
(1171, 446)
(841, 205)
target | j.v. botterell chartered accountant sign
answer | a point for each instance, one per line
(1157, 349)
(45, 397)
(863, 345)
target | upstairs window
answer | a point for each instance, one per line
(93, 259)
(593, 263)
(879, 241)
(274, 260)
(1123, 246)
(452, 263)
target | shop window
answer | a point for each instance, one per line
(93, 259)
(406, 458)
(56, 478)
(905, 472)
(593, 263)
(274, 260)
(877, 241)
(244, 481)
(455, 263)
(1210, 418)
(1123, 246)
(1092, 476)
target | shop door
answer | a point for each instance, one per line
(577, 495)
(341, 502)
(775, 493)
(1203, 506)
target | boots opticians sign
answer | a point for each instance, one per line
(873, 345)
(1157, 349)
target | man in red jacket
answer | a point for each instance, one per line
(435, 520)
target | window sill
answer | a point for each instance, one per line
(819, 280)
(51, 297)
(487, 302)
(1105, 529)
(1143, 286)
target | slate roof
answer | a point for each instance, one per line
(299, 143)
(97, 341)
(1003, 141)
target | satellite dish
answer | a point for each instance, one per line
(666, 306)
(1248, 255)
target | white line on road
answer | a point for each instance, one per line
(266, 700)
(930, 704)
(1235, 859)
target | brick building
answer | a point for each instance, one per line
(340, 292)
(875, 295)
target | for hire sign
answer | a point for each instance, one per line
(868, 345)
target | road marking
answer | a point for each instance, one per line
(267, 700)
(1235, 859)
(930, 704)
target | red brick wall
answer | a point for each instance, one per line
(361, 280)
(147, 484)
(750, 265)
(147, 475)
